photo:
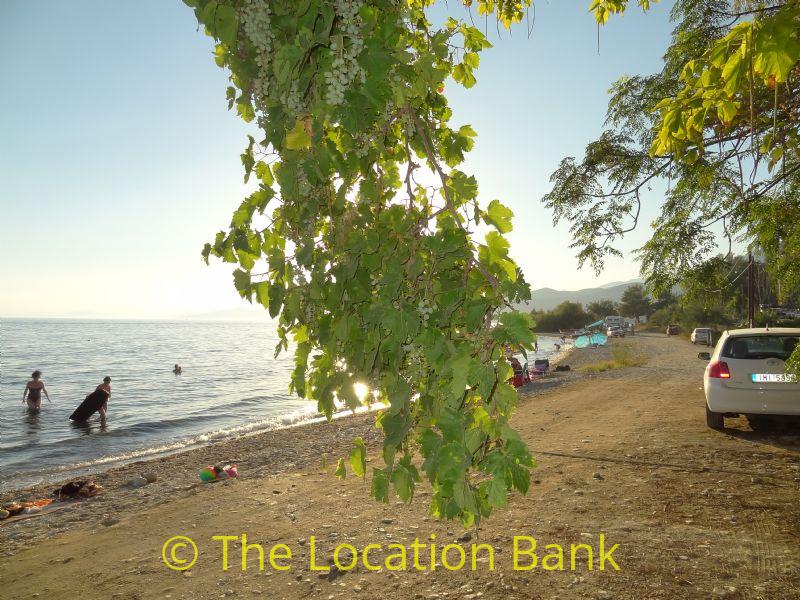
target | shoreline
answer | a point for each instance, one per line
(300, 446)
(99, 466)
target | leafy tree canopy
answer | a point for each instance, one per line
(634, 302)
(567, 315)
(717, 126)
(601, 308)
(720, 124)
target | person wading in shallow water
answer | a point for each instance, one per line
(33, 392)
(97, 401)
(106, 388)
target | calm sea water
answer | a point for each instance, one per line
(231, 385)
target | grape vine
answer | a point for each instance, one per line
(373, 272)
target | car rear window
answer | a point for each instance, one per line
(760, 346)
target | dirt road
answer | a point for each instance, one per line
(695, 513)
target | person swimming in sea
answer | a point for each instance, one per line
(177, 370)
(33, 392)
(97, 401)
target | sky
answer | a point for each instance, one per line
(119, 158)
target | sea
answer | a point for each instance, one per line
(231, 385)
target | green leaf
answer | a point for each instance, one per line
(499, 215)
(276, 293)
(505, 398)
(497, 492)
(472, 59)
(380, 485)
(245, 110)
(464, 497)
(776, 49)
(519, 327)
(261, 290)
(287, 57)
(452, 462)
(358, 457)
(403, 482)
(497, 247)
(298, 138)
(462, 186)
(735, 72)
(460, 367)
(301, 334)
(264, 173)
(340, 472)
(241, 280)
(462, 73)
(226, 25)
(399, 396)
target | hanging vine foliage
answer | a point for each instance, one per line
(361, 241)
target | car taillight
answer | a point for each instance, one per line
(718, 370)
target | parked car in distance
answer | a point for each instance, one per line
(673, 330)
(702, 335)
(614, 321)
(615, 331)
(746, 376)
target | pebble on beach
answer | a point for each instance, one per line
(137, 481)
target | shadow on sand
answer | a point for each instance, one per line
(779, 432)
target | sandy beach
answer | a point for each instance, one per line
(623, 453)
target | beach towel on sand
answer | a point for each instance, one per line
(77, 489)
(91, 404)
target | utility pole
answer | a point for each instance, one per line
(750, 292)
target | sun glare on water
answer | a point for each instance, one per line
(361, 390)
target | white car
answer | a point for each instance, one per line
(746, 375)
(615, 331)
(701, 335)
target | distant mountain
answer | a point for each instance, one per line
(548, 298)
(638, 280)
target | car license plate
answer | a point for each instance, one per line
(773, 378)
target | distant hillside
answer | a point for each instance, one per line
(548, 298)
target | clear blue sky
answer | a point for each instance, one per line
(119, 159)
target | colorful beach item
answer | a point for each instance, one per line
(218, 473)
(208, 474)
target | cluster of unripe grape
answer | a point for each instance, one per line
(424, 310)
(345, 48)
(363, 144)
(416, 363)
(303, 185)
(257, 25)
(310, 313)
(293, 101)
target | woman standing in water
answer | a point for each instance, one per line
(104, 388)
(33, 392)
(97, 401)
